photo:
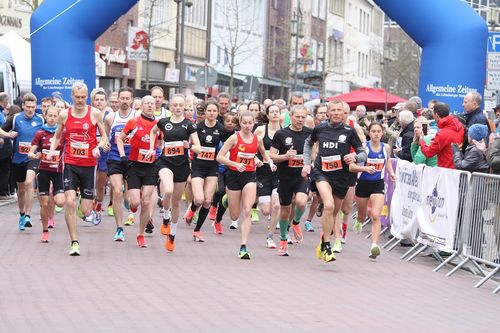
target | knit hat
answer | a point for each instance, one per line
(478, 132)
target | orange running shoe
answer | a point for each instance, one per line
(45, 237)
(297, 233)
(217, 228)
(188, 216)
(169, 243)
(212, 213)
(141, 242)
(282, 249)
(165, 229)
(198, 237)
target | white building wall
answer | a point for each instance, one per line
(239, 24)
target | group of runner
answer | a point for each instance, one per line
(275, 157)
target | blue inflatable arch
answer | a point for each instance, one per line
(453, 38)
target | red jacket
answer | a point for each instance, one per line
(450, 131)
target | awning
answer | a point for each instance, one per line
(224, 78)
(272, 82)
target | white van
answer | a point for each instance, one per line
(8, 78)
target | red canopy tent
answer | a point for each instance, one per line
(372, 98)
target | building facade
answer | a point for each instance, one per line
(15, 16)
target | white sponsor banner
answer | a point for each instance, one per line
(437, 215)
(406, 200)
(137, 44)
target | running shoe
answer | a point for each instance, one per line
(224, 200)
(58, 209)
(255, 215)
(374, 251)
(283, 249)
(149, 227)
(130, 219)
(289, 239)
(88, 219)
(212, 213)
(343, 233)
(169, 243)
(165, 227)
(337, 246)
(308, 226)
(27, 221)
(188, 216)
(217, 228)
(52, 223)
(75, 249)
(234, 225)
(357, 227)
(297, 233)
(198, 237)
(119, 236)
(319, 252)
(141, 242)
(329, 255)
(22, 222)
(96, 217)
(244, 254)
(319, 210)
(270, 243)
(110, 211)
(45, 237)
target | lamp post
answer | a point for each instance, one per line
(297, 32)
(181, 12)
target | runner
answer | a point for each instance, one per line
(23, 127)
(81, 152)
(267, 180)
(331, 173)
(142, 175)
(160, 111)
(118, 160)
(287, 150)
(241, 180)
(98, 99)
(49, 171)
(371, 186)
(173, 164)
(204, 167)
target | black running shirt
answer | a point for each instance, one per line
(283, 140)
(173, 134)
(210, 137)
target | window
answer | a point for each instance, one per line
(218, 54)
(335, 54)
(314, 8)
(159, 10)
(226, 57)
(196, 15)
(275, 4)
(322, 9)
(378, 22)
(349, 13)
(337, 7)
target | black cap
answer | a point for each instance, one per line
(497, 107)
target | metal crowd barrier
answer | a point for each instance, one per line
(479, 234)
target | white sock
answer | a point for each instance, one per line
(173, 228)
(166, 214)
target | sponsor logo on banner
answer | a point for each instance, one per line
(137, 44)
(385, 216)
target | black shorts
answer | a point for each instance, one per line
(366, 188)
(338, 191)
(203, 172)
(266, 183)
(235, 180)
(288, 187)
(116, 168)
(181, 172)
(353, 178)
(19, 170)
(81, 177)
(44, 178)
(141, 174)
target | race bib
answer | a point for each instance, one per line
(207, 153)
(245, 158)
(79, 149)
(54, 159)
(331, 163)
(296, 162)
(24, 148)
(378, 163)
(173, 148)
(141, 157)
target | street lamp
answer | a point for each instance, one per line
(181, 12)
(297, 32)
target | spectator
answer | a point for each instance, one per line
(5, 150)
(420, 128)
(497, 115)
(403, 151)
(451, 131)
(412, 106)
(473, 159)
(432, 127)
(473, 114)
(417, 100)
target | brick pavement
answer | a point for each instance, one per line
(203, 287)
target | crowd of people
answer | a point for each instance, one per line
(280, 158)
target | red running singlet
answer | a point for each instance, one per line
(80, 140)
(244, 153)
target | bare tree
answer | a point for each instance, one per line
(239, 19)
(279, 48)
(33, 4)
